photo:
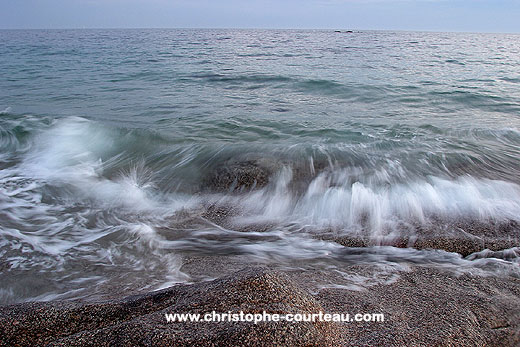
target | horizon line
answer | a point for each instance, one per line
(354, 30)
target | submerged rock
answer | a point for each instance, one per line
(239, 176)
(251, 171)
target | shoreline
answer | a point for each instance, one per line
(442, 308)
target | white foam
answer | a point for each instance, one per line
(329, 202)
(6, 110)
(62, 213)
(71, 154)
(118, 222)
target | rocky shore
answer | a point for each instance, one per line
(423, 307)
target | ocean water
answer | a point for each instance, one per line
(126, 153)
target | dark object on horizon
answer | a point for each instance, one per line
(346, 31)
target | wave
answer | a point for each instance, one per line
(334, 200)
(77, 196)
(285, 157)
(6, 110)
(329, 183)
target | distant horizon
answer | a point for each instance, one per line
(343, 30)
(469, 16)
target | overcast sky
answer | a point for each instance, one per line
(436, 15)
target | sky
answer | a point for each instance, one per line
(427, 15)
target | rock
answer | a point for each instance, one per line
(238, 176)
(428, 307)
(140, 320)
(462, 246)
(463, 237)
(248, 172)
(422, 307)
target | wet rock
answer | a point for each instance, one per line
(239, 176)
(219, 214)
(140, 320)
(422, 307)
(463, 237)
(428, 307)
(464, 247)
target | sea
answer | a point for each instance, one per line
(125, 155)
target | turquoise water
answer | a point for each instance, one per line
(110, 138)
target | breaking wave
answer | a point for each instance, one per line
(95, 206)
